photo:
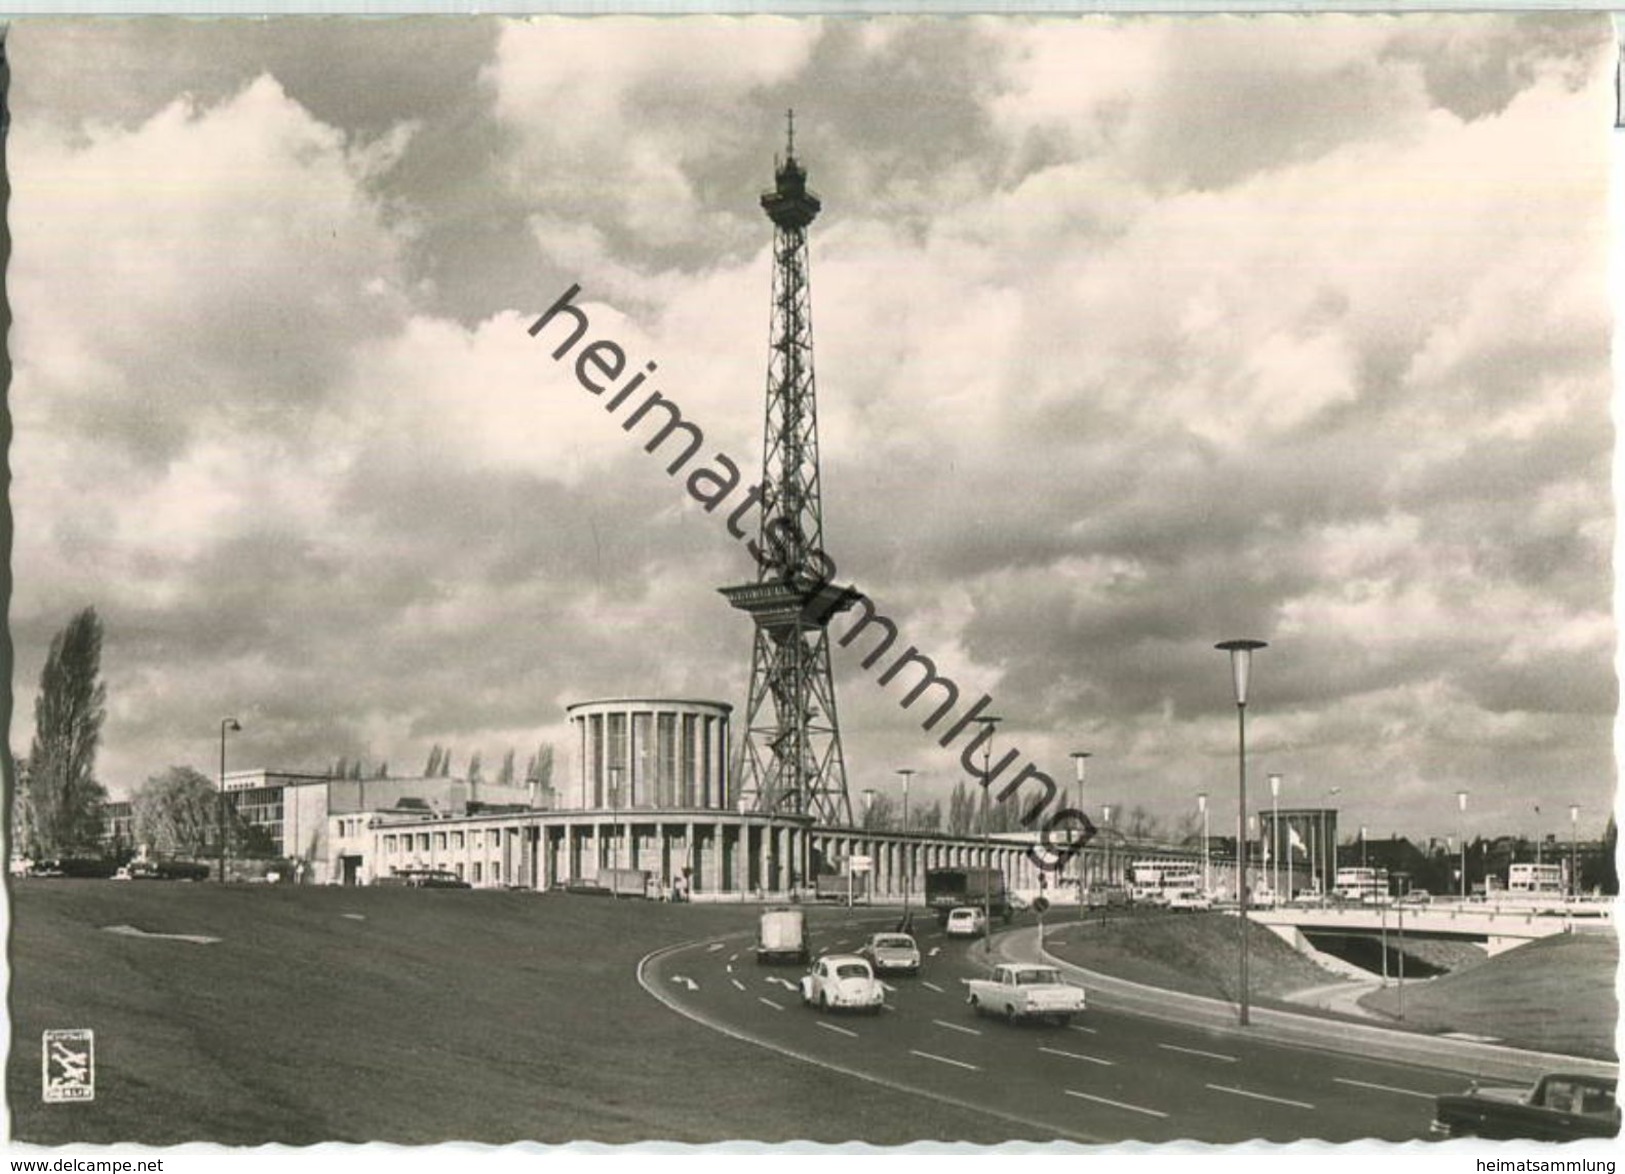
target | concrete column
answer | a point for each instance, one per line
(724, 784)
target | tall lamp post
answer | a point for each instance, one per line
(1329, 861)
(1574, 850)
(868, 826)
(226, 723)
(615, 822)
(1079, 757)
(1461, 827)
(1201, 805)
(1241, 658)
(908, 852)
(989, 724)
(1106, 828)
(1275, 841)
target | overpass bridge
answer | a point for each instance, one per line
(1497, 926)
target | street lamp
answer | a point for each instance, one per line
(1106, 828)
(615, 820)
(1241, 658)
(1329, 856)
(1275, 841)
(226, 723)
(1201, 805)
(1574, 850)
(1461, 804)
(988, 726)
(1079, 758)
(908, 852)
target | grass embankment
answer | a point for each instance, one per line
(398, 1015)
(1556, 994)
(1190, 952)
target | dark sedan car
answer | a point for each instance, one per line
(1561, 1107)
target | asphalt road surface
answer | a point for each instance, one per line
(1107, 1077)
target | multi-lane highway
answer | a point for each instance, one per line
(1108, 1077)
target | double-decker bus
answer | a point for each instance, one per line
(1366, 885)
(1156, 881)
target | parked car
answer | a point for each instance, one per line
(1561, 1106)
(892, 953)
(966, 922)
(1189, 900)
(842, 980)
(1025, 991)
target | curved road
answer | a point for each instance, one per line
(1109, 1077)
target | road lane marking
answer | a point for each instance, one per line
(931, 985)
(935, 950)
(1409, 1092)
(733, 957)
(1115, 1104)
(730, 968)
(832, 1027)
(1199, 1052)
(1085, 1030)
(784, 982)
(650, 962)
(131, 931)
(1258, 1096)
(737, 983)
(686, 981)
(1078, 1056)
(769, 1002)
(943, 1060)
(713, 946)
(956, 1027)
(888, 988)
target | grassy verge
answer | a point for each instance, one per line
(1556, 994)
(409, 1016)
(1194, 953)
(1552, 995)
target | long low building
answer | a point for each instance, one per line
(718, 854)
(644, 784)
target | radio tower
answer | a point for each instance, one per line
(789, 760)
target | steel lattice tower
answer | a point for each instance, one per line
(789, 760)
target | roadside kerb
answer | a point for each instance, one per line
(1488, 1061)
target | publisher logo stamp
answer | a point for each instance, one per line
(68, 1057)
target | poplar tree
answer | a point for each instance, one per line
(65, 800)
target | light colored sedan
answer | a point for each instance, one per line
(966, 922)
(892, 953)
(842, 980)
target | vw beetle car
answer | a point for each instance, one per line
(842, 980)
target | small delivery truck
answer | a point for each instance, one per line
(782, 936)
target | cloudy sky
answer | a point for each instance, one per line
(1132, 336)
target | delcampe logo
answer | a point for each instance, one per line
(68, 1057)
